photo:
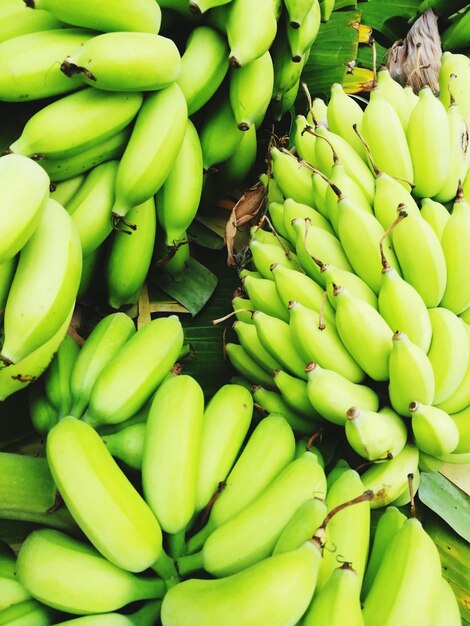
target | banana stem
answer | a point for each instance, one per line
(363, 497)
(401, 215)
(309, 102)
(190, 563)
(196, 542)
(177, 543)
(165, 567)
(226, 317)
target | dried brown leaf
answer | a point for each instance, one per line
(245, 210)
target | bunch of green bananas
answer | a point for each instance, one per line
(357, 307)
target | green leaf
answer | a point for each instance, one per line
(390, 19)
(447, 500)
(203, 236)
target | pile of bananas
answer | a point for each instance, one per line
(357, 307)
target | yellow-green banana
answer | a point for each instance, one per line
(293, 210)
(233, 172)
(375, 435)
(395, 95)
(251, 87)
(201, 6)
(434, 431)
(247, 366)
(447, 611)
(7, 271)
(42, 413)
(459, 155)
(302, 525)
(17, 20)
(302, 38)
(127, 444)
(294, 392)
(248, 338)
(251, 29)
(460, 399)
(56, 380)
(435, 214)
(343, 112)
(335, 276)
(27, 613)
(293, 179)
(272, 402)
(454, 75)
(264, 296)
(64, 191)
(389, 195)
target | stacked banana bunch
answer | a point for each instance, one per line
(231, 519)
(132, 122)
(357, 308)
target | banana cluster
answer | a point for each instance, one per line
(357, 306)
(141, 112)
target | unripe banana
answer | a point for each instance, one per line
(226, 421)
(434, 430)
(76, 122)
(293, 179)
(267, 452)
(7, 272)
(235, 171)
(395, 95)
(459, 155)
(319, 341)
(454, 75)
(22, 204)
(403, 309)
(142, 16)
(447, 612)
(375, 435)
(302, 525)
(293, 210)
(429, 143)
(17, 20)
(251, 29)
(80, 580)
(24, 77)
(272, 402)
(435, 214)
(388, 479)
(155, 141)
(201, 6)
(302, 38)
(304, 139)
(243, 309)
(294, 393)
(343, 112)
(332, 395)
(389, 194)
(204, 65)
(264, 296)
(171, 455)
(276, 217)
(125, 61)
(335, 472)
(42, 413)
(456, 232)
(250, 91)
(411, 374)
(245, 365)
(335, 276)
(130, 255)
(285, 103)
(105, 505)
(127, 444)
(297, 11)
(318, 113)
(27, 613)
(460, 399)
(64, 191)
(449, 352)
(326, 7)
(349, 188)
(57, 377)
(248, 339)
(44, 286)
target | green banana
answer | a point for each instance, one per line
(125, 61)
(12, 591)
(402, 308)
(247, 366)
(56, 380)
(264, 296)
(434, 431)
(248, 338)
(251, 88)
(272, 402)
(285, 102)
(388, 479)
(171, 454)
(251, 29)
(304, 139)
(26, 613)
(80, 580)
(7, 272)
(349, 188)
(201, 6)
(235, 171)
(435, 214)
(204, 65)
(142, 16)
(447, 612)
(302, 38)
(455, 36)
(375, 435)
(44, 286)
(76, 122)
(327, 7)
(102, 345)
(395, 95)
(335, 472)
(292, 177)
(332, 395)
(225, 424)
(429, 144)
(319, 341)
(265, 254)
(294, 393)
(275, 591)
(298, 11)
(127, 444)
(389, 523)
(390, 193)
(457, 294)
(449, 352)
(460, 399)
(243, 309)
(293, 210)
(269, 449)
(42, 413)
(25, 77)
(454, 75)
(276, 217)
(158, 134)
(64, 191)
(359, 324)
(336, 276)
(338, 601)
(130, 255)
(134, 373)
(459, 155)
(237, 543)
(23, 204)
(409, 575)
(411, 374)
(302, 525)
(17, 20)
(343, 113)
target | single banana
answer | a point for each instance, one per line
(127, 444)
(125, 61)
(332, 395)
(17, 20)
(302, 38)
(251, 88)
(264, 296)
(134, 374)
(302, 525)
(349, 188)
(251, 29)
(265, 254)
(276, 217)
(435, 214)
(272, 402)
(298, 11)
(102, 345)
(243, 309)
(56, 379)
(395, 95)
(292, 177)
(449, 352)
(459, 155)
(76, 122)
(42, 413)
(64, 191)
(7, 272)
(201, 6)
(304, 139)
(79, 579)
(411, 374)
(171, 455)
(23, 204)
(248, 338)
(27, 613)
(429, 144)
(234, 172)
(226, 422)
(454, 75)
(447, 611)
(388, 479)
(409, 575)
(293, 210)
(25, 77)
(154, 143)
(434, 431)
(285, 102)
(390, 193)
(106, 16)
(269, 449)
(457, 256)
(343, 113)
(245, 365)
(44, 286)
(335, 276)
(294, 392)
(375, 435)
(460, 399)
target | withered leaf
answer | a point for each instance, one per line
(245, 210)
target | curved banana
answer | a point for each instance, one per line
(343, 112)
(247, 366)
(447, 611)
(292, 177)
(251, 88)
(460, 399)
(454, 75)
(302, 525)
(293, 210)
(294, 393)
(395, 95)
(125, 61)
(435, 214)
(22, 205)
(64, 191)
(304, 139)
(272, 402)
(27, 613)
(302, 38)
(25, 77)
(56, 380)
(17, 20)
(154, 143)
(251, 29)
(127, 444)
(349, 188)
(234, 172)
(264, 296)
(108, 15)
(42, 413)
(243, 309)
(335, 276)
(390, 194)
(411, 374)
(102, 345)
(76, 122)
(434, 431)
(459, 154)
(429, 144)
(332, 395)
(375, 435)
(80, 580)
(248, 338)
